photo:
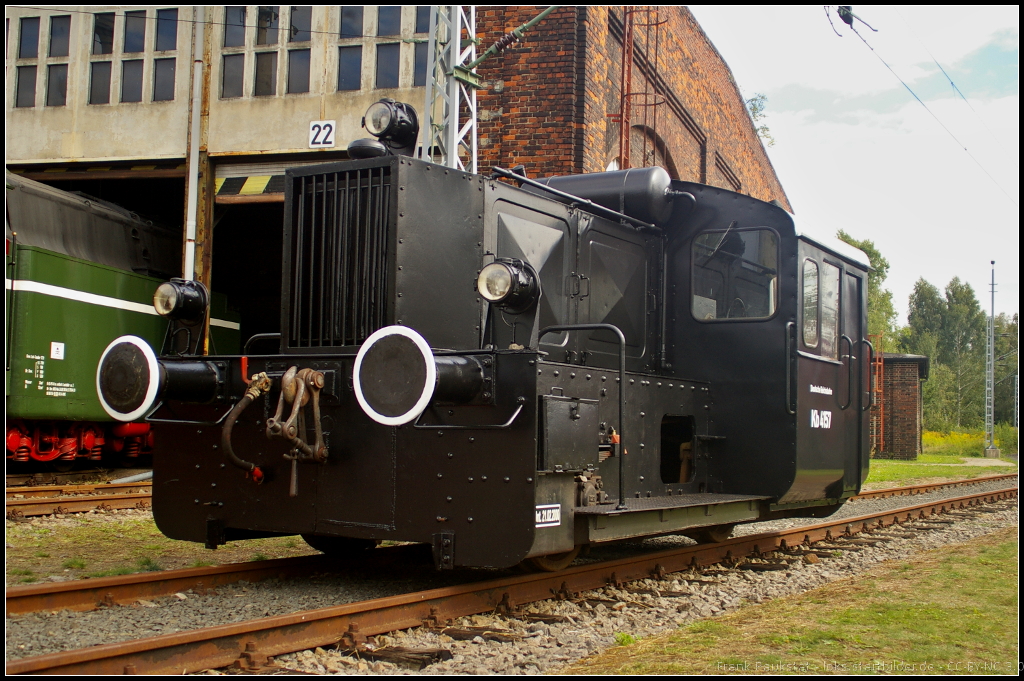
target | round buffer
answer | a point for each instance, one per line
(127, 378)
(394, 375)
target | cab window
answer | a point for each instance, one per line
(810, 303)
(735, 274)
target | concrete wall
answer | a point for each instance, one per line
(79, 131)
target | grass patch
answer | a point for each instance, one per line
(258, 557)
(19, 571)
(107, 543)
(950, 611)
(624, 639)
(113, 572)
(908, 472)
(202, 564)
(73, 564)
(147, 564)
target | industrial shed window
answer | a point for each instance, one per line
(350, 67)
(103, 33)
(387, 65)
(267, 21)
(735, 274)
(56, 84)
(134, 31)
(60, 35)
(166, 30)
(99, 82)
(352, 22)
(301, 24)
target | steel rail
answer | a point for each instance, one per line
(72, 490)
(88, 594)
(19, 508)
(223, 645)
(910, 490)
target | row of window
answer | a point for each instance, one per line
(350, 69)
(99, 82)
(267, 33)
(133, 41)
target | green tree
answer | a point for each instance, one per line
(962, 348)
(756, 106)
(881, 311)
(1007, 365)
(925, 312)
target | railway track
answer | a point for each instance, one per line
(24, 502)
(250, 644)
(31, 501)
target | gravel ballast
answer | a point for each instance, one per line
(543, 647)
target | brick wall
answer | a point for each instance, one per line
(548, 100)
(901, 395)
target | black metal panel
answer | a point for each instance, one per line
(541, 233)
(339, 230)
(571, 435)
(438, 252)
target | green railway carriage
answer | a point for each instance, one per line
(79, 274)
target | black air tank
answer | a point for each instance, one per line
(641, 193)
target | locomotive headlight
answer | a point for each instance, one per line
(378, 118)
(510, 284)
(494, 282)
(182, 300)
(392, 122)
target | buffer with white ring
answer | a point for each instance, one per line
(396, 376)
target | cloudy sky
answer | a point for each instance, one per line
(856, 151)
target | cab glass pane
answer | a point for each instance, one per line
(735, 274)
(829, 310)
(810, 303)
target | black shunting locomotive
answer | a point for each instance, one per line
(512, 370)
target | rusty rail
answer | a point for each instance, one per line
(21, 508)
(911, 490)
(223, 645)
(40, 491)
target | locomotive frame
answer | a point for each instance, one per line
(404, 404)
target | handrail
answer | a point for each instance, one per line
(871, 380)
(849, 372)
(790, 329)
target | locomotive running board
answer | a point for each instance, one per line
(668, 514)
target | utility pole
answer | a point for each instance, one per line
(451, 89)
(991, 451)
(452, 83)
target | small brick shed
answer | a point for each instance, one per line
(896, 418)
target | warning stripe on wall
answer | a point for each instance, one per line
(250, 189)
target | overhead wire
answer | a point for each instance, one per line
(937, 119)
(948, 77)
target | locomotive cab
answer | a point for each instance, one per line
(510, 373)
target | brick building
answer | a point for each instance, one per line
(550, 103)
(896, 419)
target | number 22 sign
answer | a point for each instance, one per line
(321, 134)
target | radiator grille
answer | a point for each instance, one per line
(339, 274)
